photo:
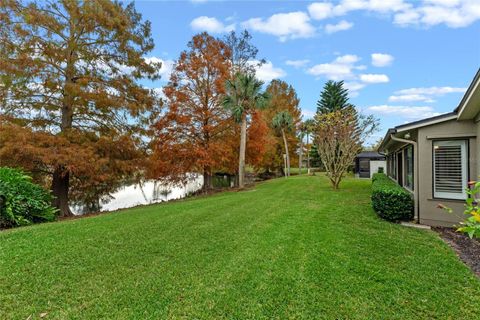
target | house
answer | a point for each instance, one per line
(369, 162)
(435, 158)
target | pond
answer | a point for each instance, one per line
(147, 192)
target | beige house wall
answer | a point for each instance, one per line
(478, 146)
(454, 129)
(376, 164)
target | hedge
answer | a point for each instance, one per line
(21, 201)
(389, 200)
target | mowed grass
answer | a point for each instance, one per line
(287, 249)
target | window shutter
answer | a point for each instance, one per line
(450, 169)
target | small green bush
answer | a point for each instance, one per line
(389, 200)
(21, 201)
(380, 170)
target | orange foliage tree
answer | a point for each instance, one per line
(72, 111)
(191, 136)
(283, 97)
(258, 139)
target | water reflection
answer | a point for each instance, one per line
(148, 192)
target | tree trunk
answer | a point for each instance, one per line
(308, 156)
(60, 186)
(243, 145)
(300, 156)
(61, 176)
(207, 179)
(286, 152)
(335, 180)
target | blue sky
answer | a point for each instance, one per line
(402, 60)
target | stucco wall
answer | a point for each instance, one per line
(375, 164)
(429, 213)
(478, 147)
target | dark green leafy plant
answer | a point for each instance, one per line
(22, 202)
(471, 225)
(389, 200)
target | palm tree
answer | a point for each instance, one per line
(308, 127)
(301, 135)
(243, 95)
(283, 122)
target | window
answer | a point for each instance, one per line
(400, 168)
(388, 166)
(408, 155)
(394, 166)
(450, 169)
(391, 165)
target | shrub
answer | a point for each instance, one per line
(380, 170)
(21, 201)
(471, 225)
(389, 200)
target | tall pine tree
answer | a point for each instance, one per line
(333, 97)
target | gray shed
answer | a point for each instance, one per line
(368, 162)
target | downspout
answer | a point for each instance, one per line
(416, 211)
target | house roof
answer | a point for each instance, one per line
(370, 154)
(426, 122)
(467, 109)
(386, 138)
(415, 125)
(469, 106)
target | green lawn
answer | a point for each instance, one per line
(288, 249)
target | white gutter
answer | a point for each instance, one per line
(408, 127)
(415, 170)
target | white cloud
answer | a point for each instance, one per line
(348, 59)
(379, 6)
(341, 26)
(410, 98)
(452, 13)
(340, 69)
(423, 94)
(432, 90)
(307, 114)
(404, 111)
(159, 92)
(297, 63)
(354, 88)
(285, 26)
(446, 3)
(374, 78)
(320, 10)
(325, 10)
(267, 72)
(407, 17)
(165, 69)
(210, 24)
(381, 59)
(346, 68)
